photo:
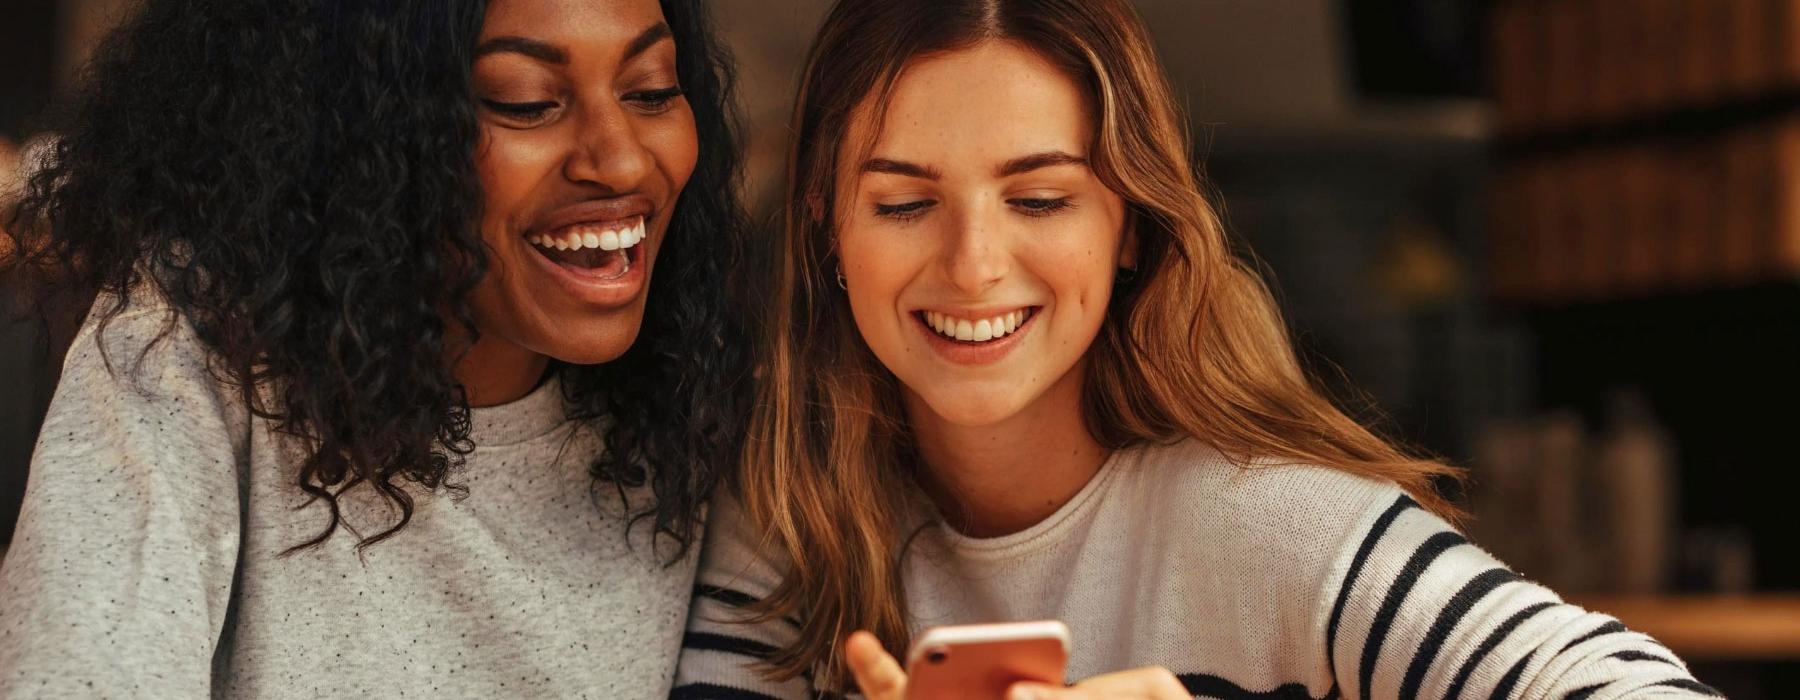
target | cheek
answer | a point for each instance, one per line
(509, 164)
(1079, 269)
(880, 267)
(675, 144)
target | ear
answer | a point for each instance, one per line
(1128, 245)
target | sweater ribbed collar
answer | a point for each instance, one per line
(530, 417)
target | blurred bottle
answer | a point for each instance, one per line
(1562, 457)
(1504, 498)
(1634, 470)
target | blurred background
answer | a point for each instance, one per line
(1554, 241)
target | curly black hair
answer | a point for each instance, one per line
(296, 178)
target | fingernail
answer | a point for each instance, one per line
(1020, 692)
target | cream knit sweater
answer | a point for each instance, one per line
(1263, 582)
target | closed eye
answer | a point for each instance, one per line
(1041, 206)
(903, 211)
(526, 111)
(655, 101)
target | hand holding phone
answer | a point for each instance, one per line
(1028, 654)
(982, 661)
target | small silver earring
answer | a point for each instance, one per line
(843, 284)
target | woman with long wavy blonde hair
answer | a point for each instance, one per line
(1015, 371)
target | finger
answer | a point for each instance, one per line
(877, 673)
(1025, 690)
(1147, 682)
(1150, 683)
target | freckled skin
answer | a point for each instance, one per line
(1001, 437)
(972, 247)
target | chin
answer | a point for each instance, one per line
(593, 349)
(973, 409)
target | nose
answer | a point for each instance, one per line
(977, 258)
(608, 152)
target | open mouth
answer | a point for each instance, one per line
(603, 250)
(976, 331)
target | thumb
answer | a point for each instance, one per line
(877, 674)
(1045, 691)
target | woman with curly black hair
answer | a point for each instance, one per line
(380, 394)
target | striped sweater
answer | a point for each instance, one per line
(1267, 582)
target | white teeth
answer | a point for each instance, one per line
(590, 236)
(975, 331)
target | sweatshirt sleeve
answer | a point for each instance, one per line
(1419, 611)
(722, 646)
(120, 572)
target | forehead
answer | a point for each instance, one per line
(571, 21)
(995, 100)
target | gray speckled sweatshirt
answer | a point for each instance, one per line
(147, 561)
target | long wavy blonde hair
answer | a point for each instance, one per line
(1193, 348)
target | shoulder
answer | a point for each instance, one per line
(143, 343)
(1264, 515)
(1263, 498)
(138, 372)
(735, 556)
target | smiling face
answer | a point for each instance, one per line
(978, 245)
(586, 142)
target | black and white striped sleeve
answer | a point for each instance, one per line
(1420, 612)
(721, 648)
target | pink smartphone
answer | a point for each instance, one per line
(982, 661)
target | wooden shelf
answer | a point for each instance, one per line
(1687, 123)
(1764, 626)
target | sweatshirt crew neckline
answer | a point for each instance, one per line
(530, 417)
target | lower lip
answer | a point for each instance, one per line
(988, 352)
(584, 285)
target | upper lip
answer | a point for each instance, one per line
(977, 314)
(596, 211)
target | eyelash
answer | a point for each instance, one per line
(1046, 206)
(653, 101)
(656, 101)
(1029, 206)
(520, 110)
(903, 212)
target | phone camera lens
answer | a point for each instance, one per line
(937, 656)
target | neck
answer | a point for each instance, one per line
(495, 371)
(998, 479)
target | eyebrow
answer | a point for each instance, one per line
(648, 38)
(1022, 164)
(552, 54)
(900, 167)
(1025, 164)
(521, 45)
